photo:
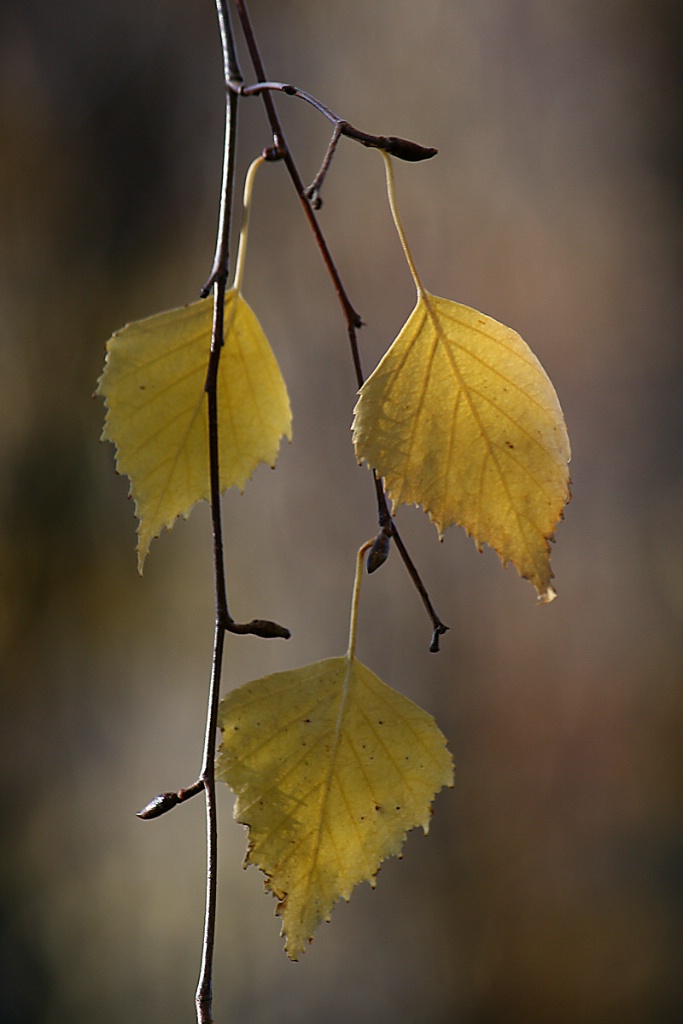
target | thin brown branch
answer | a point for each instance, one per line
(211, 389)
(233, 80)
(352, 317)
(218, 279)
(310, 201)
(204, 994)
(380, 553)
(402, 149)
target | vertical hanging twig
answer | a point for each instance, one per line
(204, 994)
(218, 280)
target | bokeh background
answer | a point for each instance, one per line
(550, 887)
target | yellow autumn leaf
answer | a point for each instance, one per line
(153, 386)
(331, 768)
(460, 418)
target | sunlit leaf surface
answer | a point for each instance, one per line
(331, 767)
(460, 418)
(153, 385)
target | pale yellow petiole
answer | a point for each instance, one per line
(242, 245)
(356, 597)
(351, 652)
(391, 193)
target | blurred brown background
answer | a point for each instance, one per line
(550, 888)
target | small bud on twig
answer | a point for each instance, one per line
(379, 552)
(259, 627)
(158, 806)
(404, 149)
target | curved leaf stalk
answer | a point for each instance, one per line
(308, 198)
(391, 193)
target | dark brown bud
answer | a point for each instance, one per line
(403, 149)
(158, 806)
(379, 552)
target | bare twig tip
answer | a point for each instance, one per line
(438, 632)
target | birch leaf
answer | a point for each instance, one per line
(460, 417)
(331, 767)
(153, 386)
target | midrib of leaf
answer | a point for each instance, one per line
(346, 689)
(465, 390)
(425, 381)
